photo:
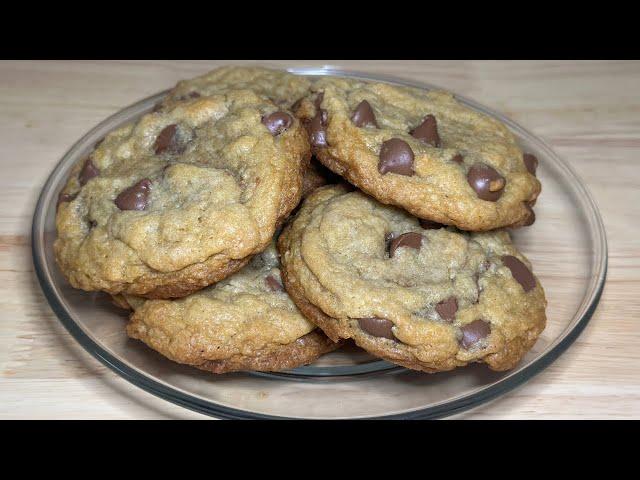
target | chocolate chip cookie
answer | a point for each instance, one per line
(245, 322)
(281, 87)
(422, 151)
(181, 198)
(416, 293)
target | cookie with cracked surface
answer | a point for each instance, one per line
(245, 322)
(421, 151)
(282, 88)
(421, 295)
(181, 198)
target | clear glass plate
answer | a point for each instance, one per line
(348, 383)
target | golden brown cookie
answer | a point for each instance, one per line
(422, 151)
(245, 322)
(281, 87)
(427, 297)
(181, 198)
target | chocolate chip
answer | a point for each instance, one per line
(447, 309)
(65, 197)
(473, 332)
(427, 131)
(429, 224)
(317, 130)
(93, 224)
(170, 141)
(459, 159)
(520, 272)
(397, 157)
(531, 218)
(486, 181)
(409, 240)
(277, 122)
(377, 327)
(531, 162)
(135, 197)
(363, 115)
(88, 172)
(273, 284)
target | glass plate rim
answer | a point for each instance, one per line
(466, 402)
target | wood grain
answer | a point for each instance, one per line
(588, 111)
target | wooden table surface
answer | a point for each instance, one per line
(588, 111)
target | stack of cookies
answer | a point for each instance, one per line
(400, 196)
